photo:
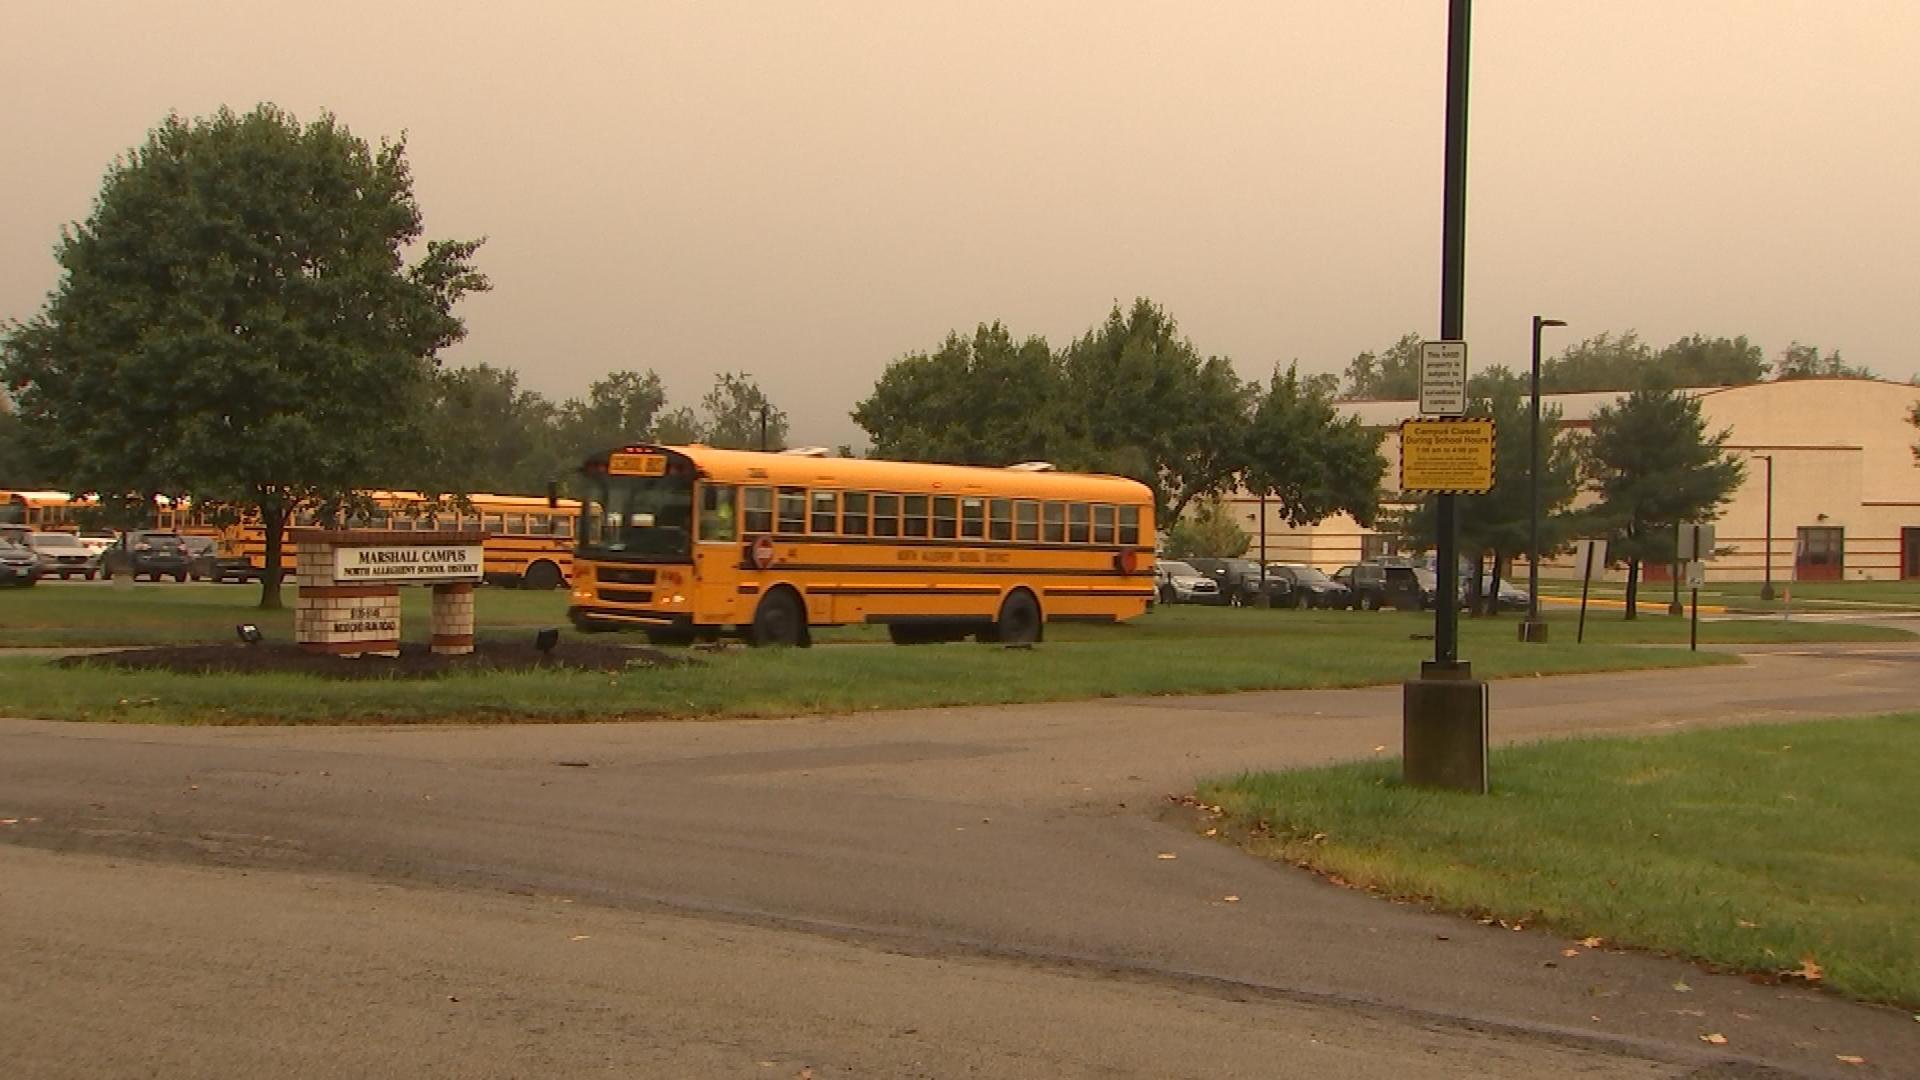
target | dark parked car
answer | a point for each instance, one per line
(149, 552)
(1396, 584)
(1239, 581)
(18, 565)
(1512, 596)
(1312, 588)
(207, 564)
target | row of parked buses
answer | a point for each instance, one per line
(529, 539)
(693, 542)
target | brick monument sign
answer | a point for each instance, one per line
(349, 587)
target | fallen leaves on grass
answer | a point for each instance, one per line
(1808, 971)
(1682, 986)
(1592, 942)
(1569, 952)
(1715, 1038)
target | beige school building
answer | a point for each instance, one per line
(1843, 502)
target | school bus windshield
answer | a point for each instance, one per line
(645, 516)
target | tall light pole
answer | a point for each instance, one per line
(1533, 629)
(1766, 587)
(1444, 711)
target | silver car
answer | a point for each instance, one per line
(1179, 583)
(62, 553)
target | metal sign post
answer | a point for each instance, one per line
(1696, 577)
(1589, 554)
(1444, 711)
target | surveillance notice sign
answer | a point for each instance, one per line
(1451, 456)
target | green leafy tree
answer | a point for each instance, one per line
(482, 432)
(679, 427)
(621, 407)
(1210, 534)
(739, 416)
(1302, 452)
(18, 469)
(1390, 375)
(1602, 362)
(1701, 361)
(983, 400)
(1799, 361)
(236, 321)
(1140, 401)
(1653, 465)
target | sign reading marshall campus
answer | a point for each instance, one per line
(408, 563)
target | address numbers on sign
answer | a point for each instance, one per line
(1446, 457)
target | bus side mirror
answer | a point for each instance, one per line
(553, 495)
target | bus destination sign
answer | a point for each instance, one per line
(395, 563)
(632, 464)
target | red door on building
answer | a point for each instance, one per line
(1910, 552)
(1820, 553)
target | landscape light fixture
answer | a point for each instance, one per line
(546, 639)
(248, 633)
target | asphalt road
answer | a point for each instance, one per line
(940, 893)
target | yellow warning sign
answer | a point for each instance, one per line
(1446, 457)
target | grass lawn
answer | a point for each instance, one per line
(168, 613)
(1181, 650)
(1754, 848)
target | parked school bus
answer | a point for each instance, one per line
(691, 541)
(529, 538)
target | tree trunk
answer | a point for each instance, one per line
(273, 521)
(1633, 588)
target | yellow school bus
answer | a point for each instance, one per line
(529, 538)
(690, 541)
(47, 511)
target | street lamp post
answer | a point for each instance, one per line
(1766, 587)
(1533, 628)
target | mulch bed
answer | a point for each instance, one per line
(414, 662)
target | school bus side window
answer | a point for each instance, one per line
(853, 513)
(915, 517)
(759, 505)
(886, 515)
(793, 510)
(1103, 524)
(1056, 524)
(973, 519)
(1000, 524)
(945, 515)
(1026, 522)
(716, 512)
(824, 512)
(1129, 525)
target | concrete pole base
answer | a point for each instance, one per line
(1676, 608)
(1444, 730)
(1766, 591)
(1533, 630)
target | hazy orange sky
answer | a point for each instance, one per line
(806, 191)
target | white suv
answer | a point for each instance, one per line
(1179, 583)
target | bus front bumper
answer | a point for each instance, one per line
(596, 618)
